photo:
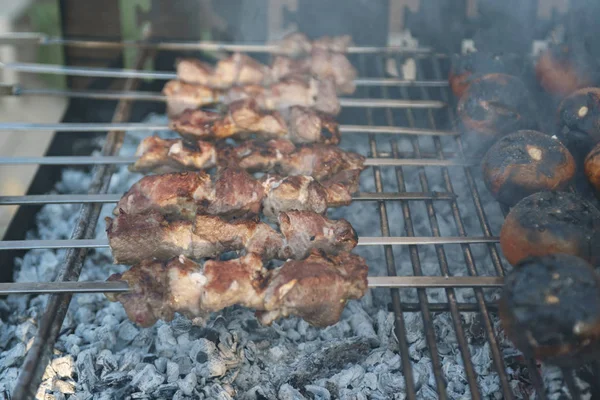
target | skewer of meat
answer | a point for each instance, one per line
(243, 118)
(298, 44)
(234, 194)
(319, 94)
(278, 156)
(315, 288)
(240, 69)
(136, 237)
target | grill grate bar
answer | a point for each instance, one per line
(362, 241)
(37, 38)
(468, 255)
(416, 263)
(399, 326)
(114, 198)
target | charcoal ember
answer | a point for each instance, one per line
(172, 371)
(392, 383)
(217, 391)
(362, 324)
(165, 344)
(181, 325)
(8, 379)
(148, 379)
(260, 392)
(106, 362)
(330, 359)
(318, 392)
(385, 328)
(144, 339)
(210, 361)
(25, 331)
(86, 372)
(348, 377)
(113, 379)
(166, 390)
(13, 356)
(63, 366)
(287, 392)
(161, 364)
(66, 387)
(72, 343)
(129, 359)
(106, 337)
(84, 315)
(185, 364)
(188, 384)
(6, 333)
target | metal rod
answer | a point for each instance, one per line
(95, 160)
(153, 96)
(98, 72)
(362, 241)
(114, 198)
(40, 39)
(144, 126)
(373, 282)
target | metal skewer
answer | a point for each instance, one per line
(362, 241)
(97, 72)
(36, 38)
(144, 126)
(8, 90)
(373, 282)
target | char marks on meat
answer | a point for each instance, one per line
(315, 289)
(136, 237)
(171, 155)
(244, 117)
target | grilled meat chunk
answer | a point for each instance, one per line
(243, 117)
(549, 223)
(135, 237)
(234, 193)
(493, 106)
(278, 156)
(237, 69)
(172, 155)
(298, 44)
(526, 162)
(315, 289)
(291, 91)
(550, 309)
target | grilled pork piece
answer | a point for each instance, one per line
(244, 117)
(298, 44)
(172, 155)
(549, 223)
(234, 193)
(550, 309)
(562, 69)
(291, 91)
(315, 289)
(276, 156)
(237, 69)
(136, 237)
(526, 162)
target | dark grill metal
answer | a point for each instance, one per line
(442, 152)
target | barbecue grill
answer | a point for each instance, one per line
(419, 186)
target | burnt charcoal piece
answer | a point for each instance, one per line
(526, 162)
(549, 223)
(493, 106)
(550, 309)
(562, 69)
(469, 67)
(580, 114)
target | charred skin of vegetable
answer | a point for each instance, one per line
(579, 114)
(592, 168)
(466, 68)
(562, 69)
(526, 162)
(493, 106)
(550, 223)
(550, 309)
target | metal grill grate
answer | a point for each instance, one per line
(415, 143)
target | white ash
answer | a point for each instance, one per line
(100, 354)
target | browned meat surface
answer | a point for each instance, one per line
(172, 155)
(237, 69)
(288, 92)
(275, 156)
(315, 289)
(182, 96)
(234, 193)
(298, 44)
(244, 117)
(136, 237)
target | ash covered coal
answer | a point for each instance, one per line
(100, 354)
